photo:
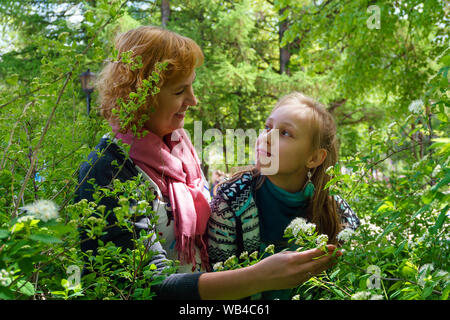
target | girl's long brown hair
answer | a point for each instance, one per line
(322, 209)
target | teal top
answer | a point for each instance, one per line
(276, 209)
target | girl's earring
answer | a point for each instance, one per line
(309, 187)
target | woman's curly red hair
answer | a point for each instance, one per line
(154, 45)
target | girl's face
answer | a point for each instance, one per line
(294, 151)
(174, 99)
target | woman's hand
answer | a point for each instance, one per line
(289, 269)
(283, 270)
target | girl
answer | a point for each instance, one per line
(252, 210)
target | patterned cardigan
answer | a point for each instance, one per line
(234, 223)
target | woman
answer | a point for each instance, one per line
(252, 210)
(174, 173)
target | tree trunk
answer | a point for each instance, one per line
(285, 55)
(165, 12)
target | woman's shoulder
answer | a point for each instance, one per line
(105, 162)
(346, 213)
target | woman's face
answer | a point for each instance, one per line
(174, 98)
(292, 125)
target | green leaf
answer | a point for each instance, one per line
(4, 233)
(445, 60)
(334, 274)
(427, 291)
(388, 229)
(155, 76)
(400, 248)
(89, 16)
(25, 287)
(395, 286)
(440, 221)
(444, 295)
(338, 292)
(443, 181)
(6, 294)
(59, 293)
(421, 210)
(386, 207)
(408, 270)
(26, 265)
(42, 237)
(442, 144)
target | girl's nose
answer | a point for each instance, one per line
(265, 138)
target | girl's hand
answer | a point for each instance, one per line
(283, 270)
(289, 269)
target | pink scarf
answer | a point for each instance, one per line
(175, 168)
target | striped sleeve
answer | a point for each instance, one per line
(221, 231)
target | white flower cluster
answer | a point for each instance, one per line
(43, 210)
(244, 255)
(345, 235)
(422, 240)
(436, 171)
(25, 219)
(300, 225)
(365, 295)
(218, 266)
(369, 228)
(270, 249)
(231, 262)
(234, 261)
(5, 279)
(254, 255)
(322, 240)
(416, 106)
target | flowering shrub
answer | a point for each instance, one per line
(305, 236)
(349, 279)
(41, 254)
(395, 175)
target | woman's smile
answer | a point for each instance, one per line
(180, 115)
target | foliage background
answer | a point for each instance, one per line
(387, 89)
